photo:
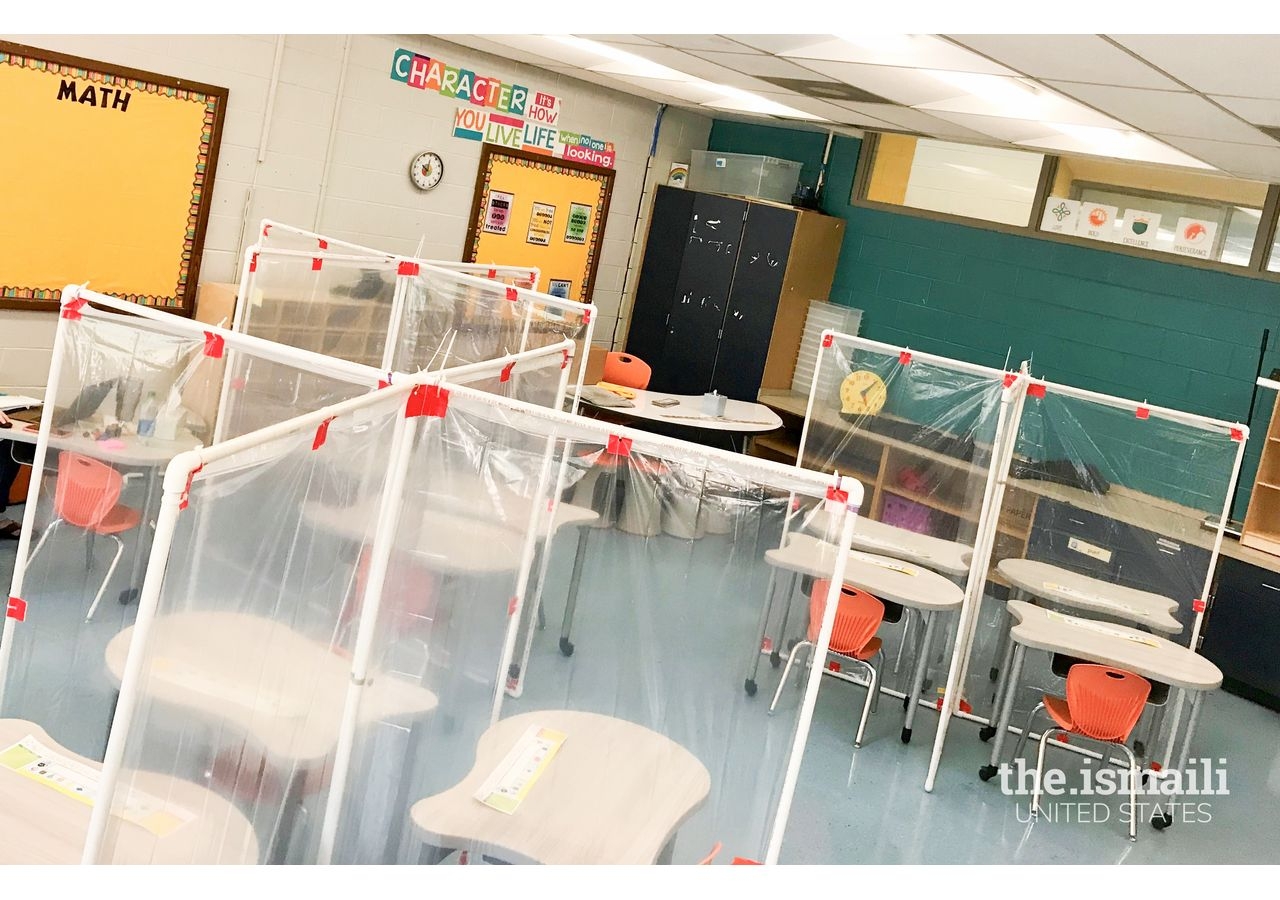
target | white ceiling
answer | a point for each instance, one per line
(1186, 100)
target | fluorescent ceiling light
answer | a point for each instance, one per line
(619, 62)
(745, 101)
(1115, 143)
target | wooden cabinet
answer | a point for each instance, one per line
(1262, 522)
(724, 289)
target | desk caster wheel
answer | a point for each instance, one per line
(986, 733)
(513, 672)
(906, 703)
(566, 646)
(1160, 821)
(993, 674)
(1140, 749)
(987, 772)
(906, 735)
(750, 687)
(129, 595)
(775, 659)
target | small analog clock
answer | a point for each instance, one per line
(426, 170)
(862, 393)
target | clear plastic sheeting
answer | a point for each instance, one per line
(920, 433)
(1102, 520)
(409, 551)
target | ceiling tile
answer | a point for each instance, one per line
(909, 87)
(1068, 57)
(1235, 158)
(697, 42)
(1259, 112)
(914, 120)
(616, 38)
(673, 90)
(760, 65)
(1011, 98)
(924, 51)
(1167, 112)
(777, 43)
(1001, 129)
(1213, 63)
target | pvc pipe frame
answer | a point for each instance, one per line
(176, 482)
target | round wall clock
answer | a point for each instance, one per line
(862, 393)
(426, 170)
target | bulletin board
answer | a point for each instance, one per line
(536, 210)
(106, 175)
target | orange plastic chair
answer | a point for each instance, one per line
(86, 496)
(858, 617)
(1102, 703)
(626, 370)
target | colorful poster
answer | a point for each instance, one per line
(560, 288)
(679, 175)
(1098, 221)
(578, 225)
(497, 214)
(1194, 237)
(1140, 228)
(541, 222)
(1061, 215)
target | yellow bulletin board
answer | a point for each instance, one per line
(105, 177)
(536, 210)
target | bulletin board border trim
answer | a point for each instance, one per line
(474, 229)
(215, 99)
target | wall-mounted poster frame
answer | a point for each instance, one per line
(538, 180)
(114, 185)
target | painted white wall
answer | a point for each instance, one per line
(377, 126)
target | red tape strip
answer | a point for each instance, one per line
(1142, 412)
(1035, 390)
(564, 363)
(316, 263)
(1198, 605)
(186, 492)
(506, 372)
(253, 263)
(322, 433)
(586, 317)
(904, 358)
(408, 268)
(1237, 434)
(512, 294)
(828, 340)
(266, 229)
(71, 308)
(213, 345)
(837, 495)
(17, 609)
(429, 400)
(1009, 378)
(493, 273)
(511, 607)
(324, 245)
(619, 446)
(384, 382)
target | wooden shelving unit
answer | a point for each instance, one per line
(1262, 522)
(348, 328)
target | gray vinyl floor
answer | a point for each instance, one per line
(671, 670)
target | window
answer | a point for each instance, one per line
(987, 183)
(1162, 209)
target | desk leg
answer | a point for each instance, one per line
(278, 850)
(571, 602)
(917, 682)
(141, 550)
(431, 855)
(1162, 820)
(400, 808)
(750, 685)
(528, 622)
(1002, 644)
(987, 772)
(988, 731)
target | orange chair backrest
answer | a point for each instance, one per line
(626, 370)
(857, 617)
(86, 490)
(1105, 702)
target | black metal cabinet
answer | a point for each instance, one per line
(1241, 632)
(709, 291)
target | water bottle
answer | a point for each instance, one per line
(147, 415)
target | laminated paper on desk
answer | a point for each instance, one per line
(31, 759)
(882, 563)
(1094, 598)
(1104, 629)
(520, 769)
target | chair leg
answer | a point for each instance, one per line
(873, 688)
(110, 571)
(1026, 730)
(44, 537)
(875, 694)
(88, 551)
(1133, 792)
(791, 658)
(1035, 785)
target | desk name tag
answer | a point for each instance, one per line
(1101, 628)
(520, 769)
(1098, 553)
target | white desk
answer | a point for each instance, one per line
(1067, 588)
(1126, 648)
(42, 826)
(948, 557)
(739, 416)
(888, 579)
(615, 793)
(284, 692)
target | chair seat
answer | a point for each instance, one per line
(120, 518)
(871, 649)
(1058, 710)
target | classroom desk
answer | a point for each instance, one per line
(1144, 654)
(888, 579)
(739, 416)
(1067, 588)
(43, 826)
(147, 455)
(947, 557)
(284, 692)
(615, 793)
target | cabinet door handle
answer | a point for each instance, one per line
(1075, 521)
(1174, 553)
(1269, 587)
